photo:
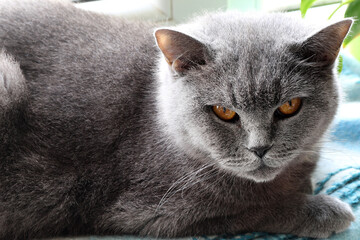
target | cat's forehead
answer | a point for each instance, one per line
(256, 79)
(250, 87)
(253, 78)
(258, 38)
(252, 65)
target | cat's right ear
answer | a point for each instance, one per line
(323, 47)
(181, 51)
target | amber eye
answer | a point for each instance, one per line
(290, 108)
(224, 113)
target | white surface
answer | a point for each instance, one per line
(348, 111)
(134, 9)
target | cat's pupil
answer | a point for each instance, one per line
(290, 104)
(224, 109)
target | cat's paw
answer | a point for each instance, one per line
(326, 215)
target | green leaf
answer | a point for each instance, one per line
(342, 4)
(354, 47)
(353, 10)
(305, 5)
(340, 65)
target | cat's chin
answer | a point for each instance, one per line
(261, 174)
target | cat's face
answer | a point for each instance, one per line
(253, 82)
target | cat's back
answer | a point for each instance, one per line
(49, 33)
(85, 73)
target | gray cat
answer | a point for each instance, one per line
(217, 132)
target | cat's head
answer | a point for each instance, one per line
(250, 93)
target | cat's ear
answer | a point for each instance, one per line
(181, 51)
(323, 47)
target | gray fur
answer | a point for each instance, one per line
(100, 136)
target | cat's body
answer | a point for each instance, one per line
(90, 145)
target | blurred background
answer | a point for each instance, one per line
(176, 11)
(169, 12)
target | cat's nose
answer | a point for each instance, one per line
(260, 151)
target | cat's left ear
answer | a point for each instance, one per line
(323, 47)
(181, 51)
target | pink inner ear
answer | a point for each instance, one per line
(181, 51)
(344, 27)
(172, 44)
(164, 43)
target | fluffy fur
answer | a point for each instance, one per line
(99, 135)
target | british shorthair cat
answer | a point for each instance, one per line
(110, 126)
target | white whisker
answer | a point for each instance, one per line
(186, 179)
